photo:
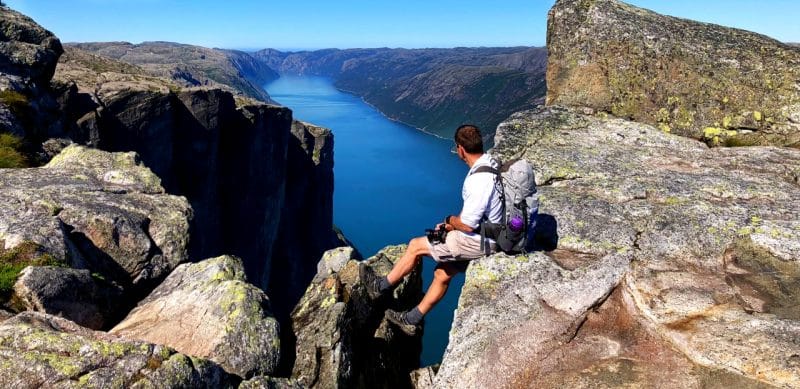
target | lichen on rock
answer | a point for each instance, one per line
(209, 310)
(669, 254)
(682, 75)
(342, 338)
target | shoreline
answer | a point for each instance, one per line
(352, 93)
(387, 116)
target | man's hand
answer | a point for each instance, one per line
(447, 227)
(454, 222)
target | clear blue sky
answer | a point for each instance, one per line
(310, 24)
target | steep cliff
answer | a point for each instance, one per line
(433, 89)
(237, 161)
(723, 85)
(235, 71)
(676, 265)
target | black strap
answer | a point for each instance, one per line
(485, 169)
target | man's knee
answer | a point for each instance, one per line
(418, 246)
(442, 275)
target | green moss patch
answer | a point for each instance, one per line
(14, 260)
(10, 155)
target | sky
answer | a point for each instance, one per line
(315, 24)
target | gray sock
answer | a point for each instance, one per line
(384, 285)
(414, 316)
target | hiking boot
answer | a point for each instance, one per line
(399, 320)
(370, 280)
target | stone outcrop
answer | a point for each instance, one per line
(39, 350)
(209, 310)
(70, 293)
(676, 265)
(724, 85)
(262, 382)
(28, 57)
(28, 52)
(342, 338)
(104, 212)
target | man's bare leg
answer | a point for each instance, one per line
(417, 248)
(441, 280)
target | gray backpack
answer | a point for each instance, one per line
(516, 183)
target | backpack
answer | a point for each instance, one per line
(516, 183)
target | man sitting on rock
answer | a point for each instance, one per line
(482, 201)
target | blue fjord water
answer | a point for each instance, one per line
(391, 181)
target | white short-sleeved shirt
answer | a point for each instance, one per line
(481, 197)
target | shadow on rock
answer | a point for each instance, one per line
(544, 234)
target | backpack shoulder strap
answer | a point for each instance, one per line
(485, 169)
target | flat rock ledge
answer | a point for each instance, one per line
(209, 310)
(676, 265)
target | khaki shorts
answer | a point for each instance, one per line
(458, 246)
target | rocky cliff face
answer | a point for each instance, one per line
(247, 172)
(342, 338)
(238, 162)
(235, 71)
(676, 265)
(309, 201)
(433, 89)
(723, 85)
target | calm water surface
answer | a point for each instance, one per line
(391, 181)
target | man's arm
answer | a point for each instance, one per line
(454, 222)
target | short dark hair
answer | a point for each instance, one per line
(469, 137)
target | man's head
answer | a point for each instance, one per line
(469, 138)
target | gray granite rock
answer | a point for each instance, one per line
(27, 50)
(70, 293)
(58, 353)
(95, 210)
(342, 337)
(208, 310)
(725, 85)
(262, 382)
(675, 265)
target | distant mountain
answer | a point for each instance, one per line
(191, 65)
(796, 44)
(433, 89)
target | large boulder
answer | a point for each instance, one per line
(28, 57)
(208, 310)
(39, 350)
(343, 339)
(676, 265)
(74, 294)
(27, 51)
(104, 212)
(701, 80)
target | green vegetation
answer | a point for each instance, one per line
(10, 154)
(14, 260)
